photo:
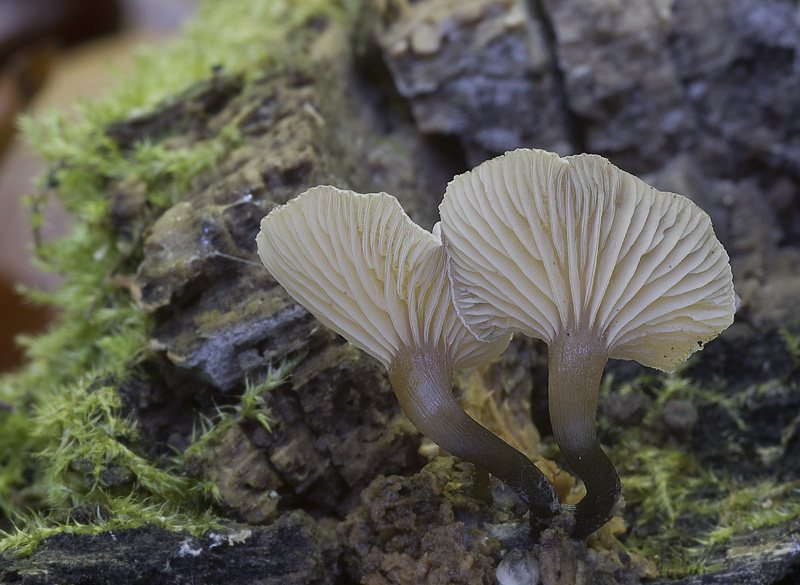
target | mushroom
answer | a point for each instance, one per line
(594, 262)
(365, 270)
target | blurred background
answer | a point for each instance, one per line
(52, 54)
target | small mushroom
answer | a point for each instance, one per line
(594, 262)
(364, 269)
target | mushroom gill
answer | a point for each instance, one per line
(364, 269)
(594, 262)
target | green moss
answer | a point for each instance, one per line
(16, 444)
(121, 513)
(251, 407)
(91, 457)
(685, 510)
(63, 429)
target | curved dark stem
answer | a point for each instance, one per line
(422, 385)
(576, 365)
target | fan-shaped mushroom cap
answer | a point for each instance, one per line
(542, 244)
(368, 272)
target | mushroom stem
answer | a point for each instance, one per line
(422, 384)
(576, 365)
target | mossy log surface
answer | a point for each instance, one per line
(313, 474)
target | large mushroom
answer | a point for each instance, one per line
(364, 269)
(594, 262)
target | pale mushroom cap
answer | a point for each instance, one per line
(543, 244)
(364, 269)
